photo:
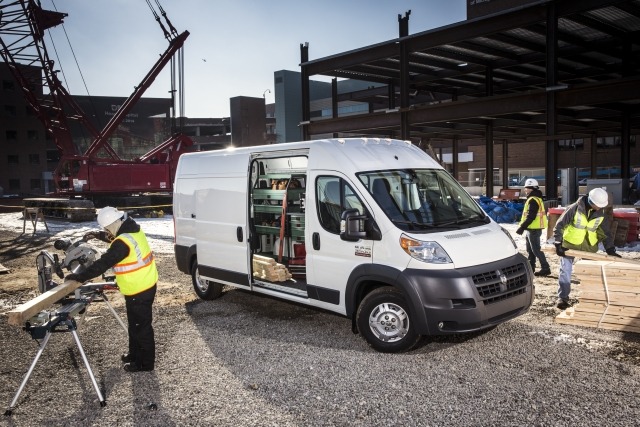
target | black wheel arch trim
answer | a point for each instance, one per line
(387, 275)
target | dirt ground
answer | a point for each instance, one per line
(18, 253)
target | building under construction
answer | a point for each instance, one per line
(518, 80)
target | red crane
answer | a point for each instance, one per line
(99, 170)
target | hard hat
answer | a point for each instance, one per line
(530, 182)
(599, 197)
(109, 215)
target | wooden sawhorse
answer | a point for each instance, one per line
(33, 215)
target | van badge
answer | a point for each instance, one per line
(503, 280)
(364, 251)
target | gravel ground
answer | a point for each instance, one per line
(248, 360)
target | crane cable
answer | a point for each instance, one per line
(64, 77)
(167, 35)
(179, 63)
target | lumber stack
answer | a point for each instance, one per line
(609, 298)
(266, 268)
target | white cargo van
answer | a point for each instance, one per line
(373, 229)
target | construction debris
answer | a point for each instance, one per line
(4, 270)
(610, 296)
(266, 268)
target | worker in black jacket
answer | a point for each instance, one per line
(534, 220)
(136, 276)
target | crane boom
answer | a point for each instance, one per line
(23, 24)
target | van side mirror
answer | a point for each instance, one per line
(353, 227)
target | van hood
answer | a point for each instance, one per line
(470, 246)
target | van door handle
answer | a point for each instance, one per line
(239, 234)
(315, 240)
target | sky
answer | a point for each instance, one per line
(234, 47)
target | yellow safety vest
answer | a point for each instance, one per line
(541, 217)
(581, 228)
(137, 272)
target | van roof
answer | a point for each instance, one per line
(341, 154)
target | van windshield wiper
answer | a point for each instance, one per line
(471, 220)
(414, 223)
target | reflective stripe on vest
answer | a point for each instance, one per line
(137, 272)
(582, 228)
(541, 217)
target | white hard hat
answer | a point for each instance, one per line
(599, 197)
(108, 216)
(530, 182)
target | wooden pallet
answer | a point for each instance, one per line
(610, 297)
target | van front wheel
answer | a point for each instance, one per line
(384, 321)
(205, 289)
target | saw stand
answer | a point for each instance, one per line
(43, 325)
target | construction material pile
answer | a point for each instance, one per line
(266, 268)
(610, 297)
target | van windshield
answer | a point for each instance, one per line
(423, 200)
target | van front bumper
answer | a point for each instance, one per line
(469, 299)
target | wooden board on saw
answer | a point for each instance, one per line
(266, 268)
(26, 311)
(609, 298)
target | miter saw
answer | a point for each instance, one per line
(78, 256)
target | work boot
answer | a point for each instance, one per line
(126, 358)
(543, 272)
(132, 367)
(563, 304)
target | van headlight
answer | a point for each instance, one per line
(424, 251)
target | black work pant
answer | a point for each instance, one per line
(142, 345)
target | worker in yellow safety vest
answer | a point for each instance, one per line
(534, 220)
(582, 226)
(132, 260)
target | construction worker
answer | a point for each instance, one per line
(136, 276)
(581, 226)
(534, 220)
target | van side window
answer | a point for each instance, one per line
(334, 196)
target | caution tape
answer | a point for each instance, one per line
(81, 208)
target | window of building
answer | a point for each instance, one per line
(11, 135)
(53, 156)
(34, 159)
(14, 184)
(10, 110)
(35, 184)
(13, 159)
(571, 144)
(32, 135)
(8, 85)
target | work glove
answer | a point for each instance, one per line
(72, 276)
(612, 251)
(559, 249)
(90, 235)
(520, 230)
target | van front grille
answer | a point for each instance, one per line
(501, 284)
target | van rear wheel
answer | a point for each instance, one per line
(384, 321)
(205, 289)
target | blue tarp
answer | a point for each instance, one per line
(501, 212)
